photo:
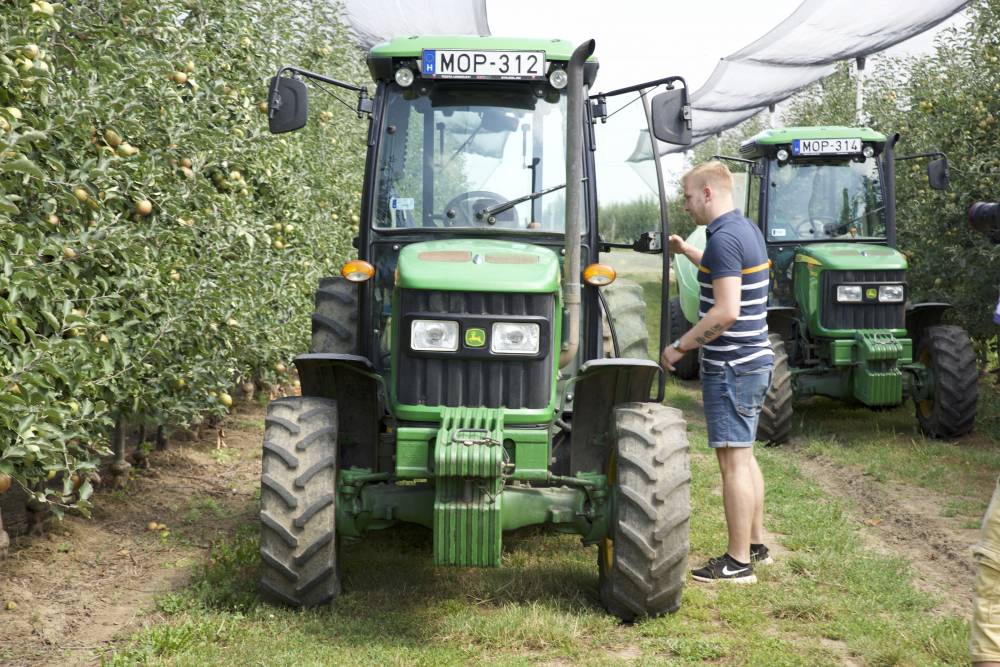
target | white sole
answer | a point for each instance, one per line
(766, 561)
(752, 579)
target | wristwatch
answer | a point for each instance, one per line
(677, 345)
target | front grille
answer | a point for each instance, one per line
(470, 377)
(866, 315)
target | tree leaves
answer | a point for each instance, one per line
(106, 310)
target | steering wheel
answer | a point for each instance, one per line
(461, 210)
(815, 222)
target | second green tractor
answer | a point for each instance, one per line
(840, 314)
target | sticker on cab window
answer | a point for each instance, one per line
(778, 232)
(401, 203)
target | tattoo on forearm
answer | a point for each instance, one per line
(709, 334)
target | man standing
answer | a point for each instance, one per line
(736, 359)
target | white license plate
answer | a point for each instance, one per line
(826, 146)
(457, 64)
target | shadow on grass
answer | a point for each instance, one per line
(393, 593)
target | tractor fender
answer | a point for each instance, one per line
(600, 385)
(919, 316)
(780, 320)
(350, 380)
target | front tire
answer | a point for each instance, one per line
(643, 561)
(947, 351)
(627, 312)
(775, 423)
(298, 540)
(335, 320)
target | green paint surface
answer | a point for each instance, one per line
(412, 47)
(854, 256)
(786, 135)
(479, 265)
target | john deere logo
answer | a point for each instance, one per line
(475, 337)
(871, 293)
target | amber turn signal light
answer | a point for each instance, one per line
(599, 275)
(357, 271)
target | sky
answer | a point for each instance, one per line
(638, 41)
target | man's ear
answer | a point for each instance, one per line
(707, 193)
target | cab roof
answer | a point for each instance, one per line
(412, 47)
(385, 57)
(759, 144)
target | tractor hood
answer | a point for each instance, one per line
(851, 257)
(474, 265)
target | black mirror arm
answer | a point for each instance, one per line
(320, 77)
(600, 105)
(365, 104)
(730, 158)
(668, 81)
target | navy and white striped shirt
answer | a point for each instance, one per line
(735, 247)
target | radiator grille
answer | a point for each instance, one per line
(866, 315)
(474, 380)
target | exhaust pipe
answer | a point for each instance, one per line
(574, 191)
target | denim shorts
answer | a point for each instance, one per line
(733, 399)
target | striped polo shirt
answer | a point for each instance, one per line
(735, 247)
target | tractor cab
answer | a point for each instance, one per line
(841, 318)
(815, 187)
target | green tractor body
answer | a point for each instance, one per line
(839, 309)
(465, 386)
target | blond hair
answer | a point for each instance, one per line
(712, 174)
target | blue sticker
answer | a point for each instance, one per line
(795, 146)
(428, 63)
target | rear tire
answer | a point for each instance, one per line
(298, 538)
(627, 311)
(643, 562)
(335, 320)
(947, 351)
(775, 423)
(687, 367)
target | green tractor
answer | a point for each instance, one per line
(458, 378)
(839, 311)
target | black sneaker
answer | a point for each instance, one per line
(760, 555)
(725, 568)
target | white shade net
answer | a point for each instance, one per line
(801, 50)
(797, 52)
(373, 22)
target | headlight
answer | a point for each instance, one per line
(849, 293)
(890, 293)
(514, 338)
(434, 335)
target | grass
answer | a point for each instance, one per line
(889, 446)
(826, 599)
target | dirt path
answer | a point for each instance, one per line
(91, 581)
(905, 521)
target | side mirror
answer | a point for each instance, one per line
(937, 173)
(287, 104)
(672, 117)
(649, 242)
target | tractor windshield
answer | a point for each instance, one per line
(454, 155)
(821, 200)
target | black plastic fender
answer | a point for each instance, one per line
(919, 316)
(350, 380)
(600, 385)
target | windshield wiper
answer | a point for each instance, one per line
(489, 214)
